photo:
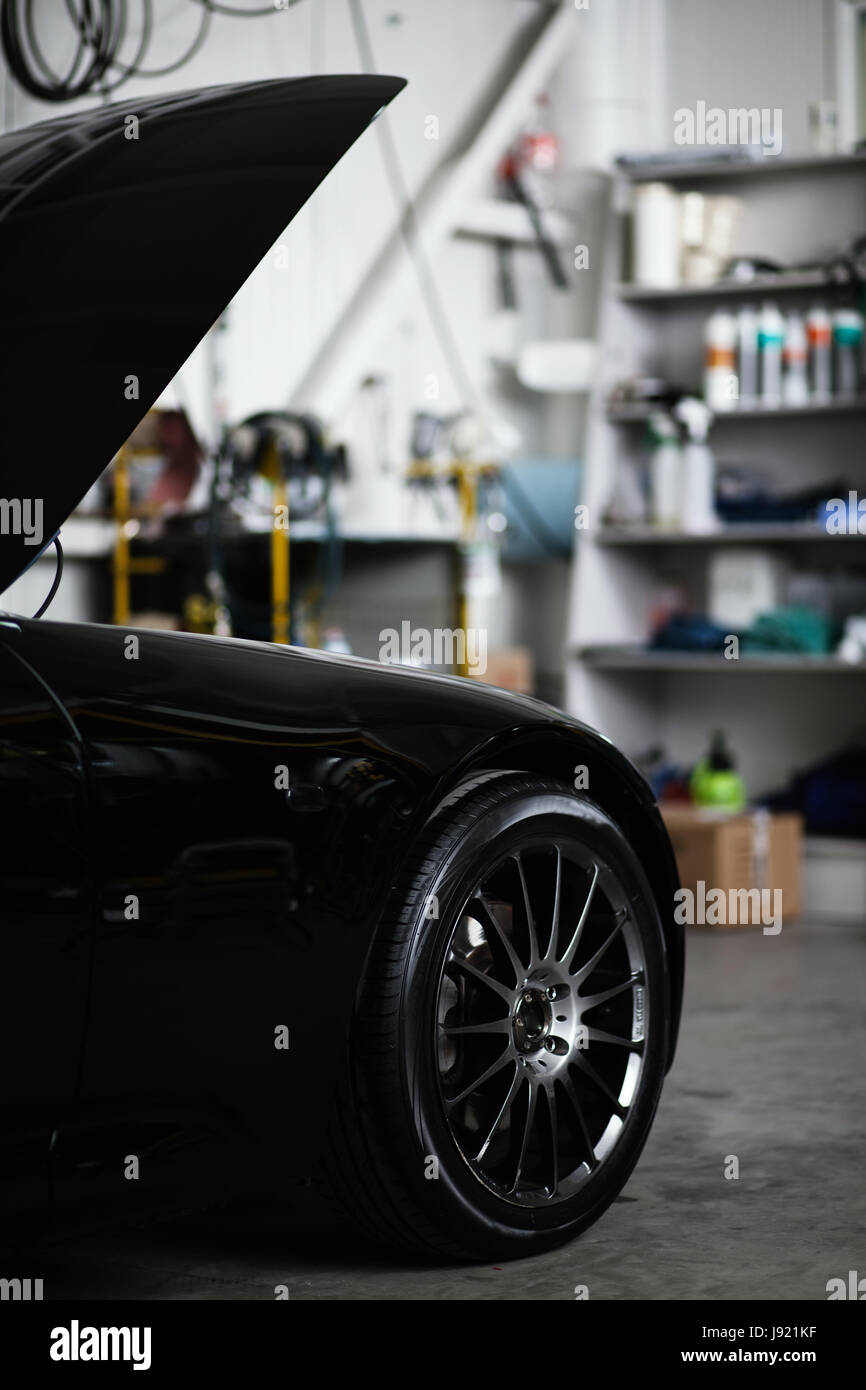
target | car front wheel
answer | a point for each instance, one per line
(510, 1043)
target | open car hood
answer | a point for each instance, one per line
(117, 255)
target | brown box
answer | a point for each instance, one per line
(731, 853)
(510, 668)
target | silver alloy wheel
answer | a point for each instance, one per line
(541, 1019)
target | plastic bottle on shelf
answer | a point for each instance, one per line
(698, 506)
(819, 332)
(747, 343)
(795, 385)
(771, 338)
(847, 350)
(665, 470)
(657, 246)
(721, 385)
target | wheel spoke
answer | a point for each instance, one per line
(553, 1118)
(575, 940)
(570, 1091)
(592, 1001)
(557, 896)
(586, 970)
(480, 908)
(485, 1076)
(592, 1075)
(527, 1131)
(479, 976)
(598, 1035)
(513, 1092)
(527, 907)
(497, 1025)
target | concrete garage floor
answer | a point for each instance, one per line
(770, 1069)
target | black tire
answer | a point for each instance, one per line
(396, 1113)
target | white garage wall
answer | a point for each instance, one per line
(773, 53)
(631, 64)
(449, 51)
(615, 89)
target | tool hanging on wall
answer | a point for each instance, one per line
(526, 172)
(549, 252)
(554, 364)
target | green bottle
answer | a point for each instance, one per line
(715, 783)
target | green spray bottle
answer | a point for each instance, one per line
(715, 783)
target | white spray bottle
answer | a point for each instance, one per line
(698, 508)
(665, 471)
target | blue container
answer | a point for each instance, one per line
(538, 499)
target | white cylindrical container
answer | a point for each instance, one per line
(698, 503)
(847, 351)
(747, 343)
(657, 236)
(819, 332)
(771, 338)
(795, 386)
(665, 471)
(721, 386)
(699, 489)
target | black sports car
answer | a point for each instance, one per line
(270, 913)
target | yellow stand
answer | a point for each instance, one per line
(468, 474)
(124, 564)
(280, 573)
(281, 591)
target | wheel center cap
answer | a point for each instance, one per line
(531, 1020)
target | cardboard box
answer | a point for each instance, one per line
(721, 858)
(511, 669)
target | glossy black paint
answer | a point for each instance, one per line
(256, 905)
(48, 902)
(168, 902)
(117, 255)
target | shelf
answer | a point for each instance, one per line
(642, 696)
(739, 533)
(196, 528)
(316, 533)
(85, 537)
(636, 413)
(629, 658)
(788, 282)
(691, 171)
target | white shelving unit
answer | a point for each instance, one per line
(781, 712)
